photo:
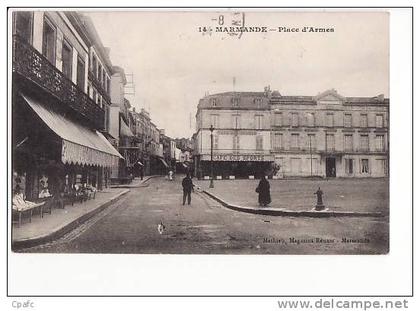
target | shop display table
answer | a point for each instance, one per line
(18, 212)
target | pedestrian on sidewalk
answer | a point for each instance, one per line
(141, 172)
(187, 187)
(263, 190)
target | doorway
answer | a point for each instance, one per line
(330, 167)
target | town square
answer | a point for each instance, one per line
(122, 146)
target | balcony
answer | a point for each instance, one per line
(32, 65)
(99, 87)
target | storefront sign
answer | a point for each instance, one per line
(239, 157)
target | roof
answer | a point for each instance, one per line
(238, 94)
(247, 100)
(81, 145)
(332, 93)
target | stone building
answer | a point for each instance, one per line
(57, 126)
(329, 135)
(326, 135)
(241, 136)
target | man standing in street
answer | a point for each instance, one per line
(187, 186)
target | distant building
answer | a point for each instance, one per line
(257, 133)
(330, 135)
(241, 137)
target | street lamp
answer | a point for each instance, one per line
(310, 149)
(211, 157)
(310, 139)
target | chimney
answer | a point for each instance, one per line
(380, 97)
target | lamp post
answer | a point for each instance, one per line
(310, 149)
(211, 157)
(310, 115)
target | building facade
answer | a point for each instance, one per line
(241, 135)
(329, 135)
(57, 139)
(258, 133)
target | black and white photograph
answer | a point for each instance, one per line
(199, 132)
(226, 157)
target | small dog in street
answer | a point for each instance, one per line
(161, 227)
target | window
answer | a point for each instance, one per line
(296, 165)
(348, 166)
(81, 73)
(278, 119)
(295, 141)
(235, 101)
(310, 119)
(363, 120)
(329, 120)
(381, 166)
(104, 79)
(347, 120)
(365, 166)
(364, 142)
(259, 142)
(379, 121)
(213, 102)
(348, 142)
(258, 102)
(235, 142)
(94, 65)
(94, 95)
(278, 141)
(380, 146)
(23, 24)
(236, 121)
(214, 118)
(67, 57)
(99, 75)
(108, 86)
(295, 119)
(330, 142)
(48, 42)
(311, 142)
(258, 121)
(215, 141)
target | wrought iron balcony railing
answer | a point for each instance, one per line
(99, 87)
(32, 65)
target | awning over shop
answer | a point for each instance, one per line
(125, 130)
(80, 144)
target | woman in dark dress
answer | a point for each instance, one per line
(263, 191)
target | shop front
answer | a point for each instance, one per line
(54, 154)
(239, 166)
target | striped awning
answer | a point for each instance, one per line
(80, 145)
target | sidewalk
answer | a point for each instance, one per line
(61, 221)
(343, 198)
(136, 183)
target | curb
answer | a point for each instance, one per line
(277, 212)
(139, 185)
(21, 244)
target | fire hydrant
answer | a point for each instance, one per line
(319, 204)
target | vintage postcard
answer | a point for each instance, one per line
(231, 131)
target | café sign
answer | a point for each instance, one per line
(239, 157)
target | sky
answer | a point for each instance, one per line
(174, 64)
